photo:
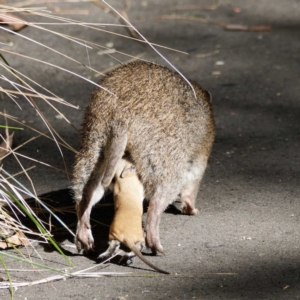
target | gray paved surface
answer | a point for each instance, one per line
(249, 199)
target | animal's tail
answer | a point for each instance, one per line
(133, 248)
(114, 151)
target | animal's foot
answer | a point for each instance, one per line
(84, 239)
(126, 259)
(153, 243)
(187, 210)
(104, 256)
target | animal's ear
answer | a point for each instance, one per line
(128, 171)
(208, 96)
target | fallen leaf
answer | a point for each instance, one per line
(6, 232)
(236, 27)
(237, 10)
(260, 28)
(18, 239)
(15, 22)
(109, 44)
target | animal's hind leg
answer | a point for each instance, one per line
(156, 207)
(190, 189)
(188, 196)
(87, 192)
(91, 195)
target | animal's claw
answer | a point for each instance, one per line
(187, 210)
(84, 239)
(153, 243)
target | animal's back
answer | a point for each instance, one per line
(167, 125)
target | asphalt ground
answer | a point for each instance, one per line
(245, 243)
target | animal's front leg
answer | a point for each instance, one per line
(155, 209)
(84, 239)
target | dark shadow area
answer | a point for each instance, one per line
(267, 280)
(62, 205)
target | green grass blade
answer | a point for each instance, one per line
(11, 127)
(38, 225)
(3, 58)
(12, 291)
(40, 202)
(30, 262)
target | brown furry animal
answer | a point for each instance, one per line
(154, 116)
(126, 227)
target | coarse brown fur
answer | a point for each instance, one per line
(168, 130)
(126, 227)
